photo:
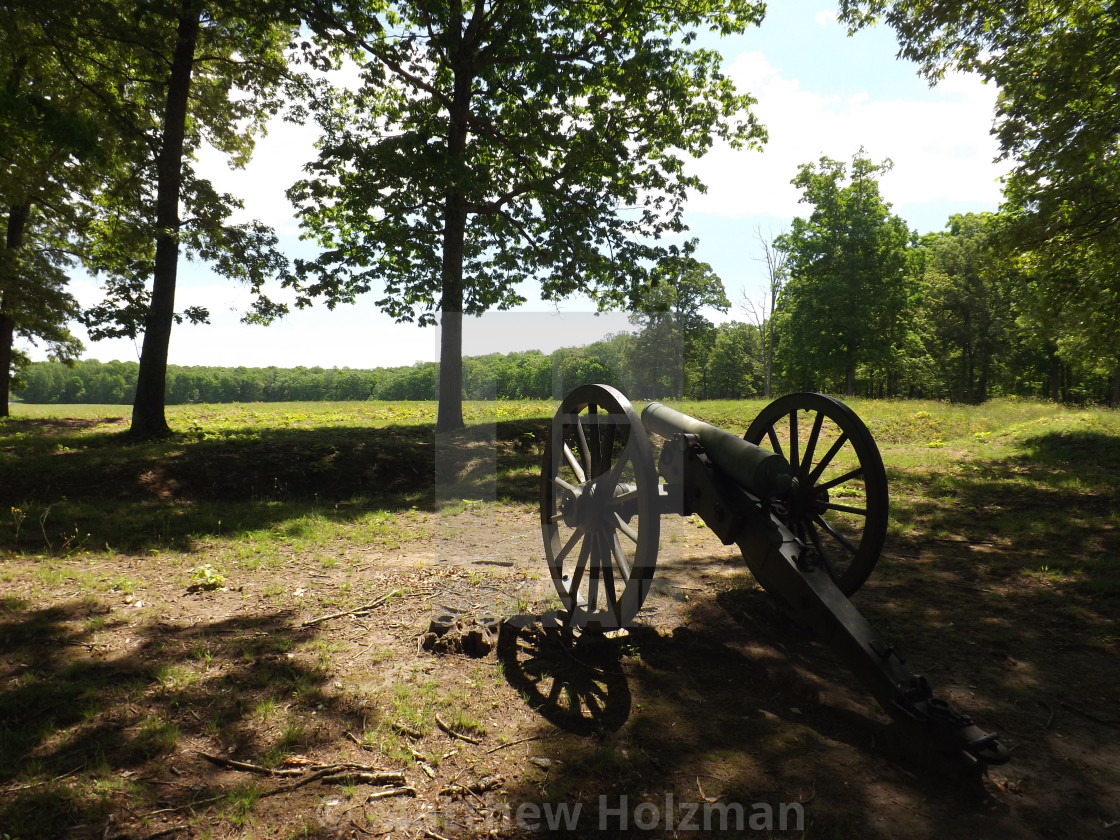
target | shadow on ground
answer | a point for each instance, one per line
(101, 489)
(97, 722)
(1013, 619)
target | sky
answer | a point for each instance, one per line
(819, 92)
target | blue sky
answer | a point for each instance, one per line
(819, 93)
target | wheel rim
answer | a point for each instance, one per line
(840, 504)
(598, 508)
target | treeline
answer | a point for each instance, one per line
(727, 361)
(621, 360)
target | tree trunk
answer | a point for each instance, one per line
(17, 224)
(449, 415)
(148, 415)
(1055, 377)
(7, 333)
(769, 360)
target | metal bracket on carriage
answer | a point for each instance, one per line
(696, 486)
(948, 729)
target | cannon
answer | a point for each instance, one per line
(803, 494)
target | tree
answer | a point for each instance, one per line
(762, 313)
(847, 291)
(967, 304)
(34, 302)
(50, 160)
(493, 143)
(732, 363)
(198, 73)
(675, 330)
(1057, 66)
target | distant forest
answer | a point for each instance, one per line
(724, 361)
(525, 375)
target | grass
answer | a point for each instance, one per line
(262, 486)
(281, 477)
(258, 485)
(1017, 499)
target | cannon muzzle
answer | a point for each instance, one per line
(765, 474)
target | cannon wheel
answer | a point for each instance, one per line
(839, 506)
(599, 513)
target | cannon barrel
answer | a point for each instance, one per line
(765, 474)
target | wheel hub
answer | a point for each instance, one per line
(806, 503)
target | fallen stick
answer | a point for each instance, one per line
(162, 832)
(405, 729)
(512, 744)
(372, 605)
(358, 741)
(480, 786)
(365, 777)
(318, 774)
(385, 794)
(442, 724)
(244, 765)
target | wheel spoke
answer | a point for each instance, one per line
(773, 436)
(846, 509)
(616, 470)
(848, 476)
(563, 485)
(608, 444)
(815, 475)
(584, 449)
(577, 573)
(595, 442)
(620, 557)
(626, 529)
(595, 575)
(811, 444)
(793, 462)
(570, 457)
(607, 568)
(627, 496)
(822, 555)
(836, 535)
(568, 546)
(554, 692)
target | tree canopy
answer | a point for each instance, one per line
(169, 77)
(1057, 65)
(847, 269)
(488, 144)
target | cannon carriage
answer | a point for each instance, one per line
(803, 494)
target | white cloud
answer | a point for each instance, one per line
(940, 145)
(826, 17)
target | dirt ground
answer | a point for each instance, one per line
(129, 707)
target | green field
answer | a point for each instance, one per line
(162, 592)
(1037, 473)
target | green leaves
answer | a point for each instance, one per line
(557, 128)
(499, 143)
(843, 305)
(1057, 66)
